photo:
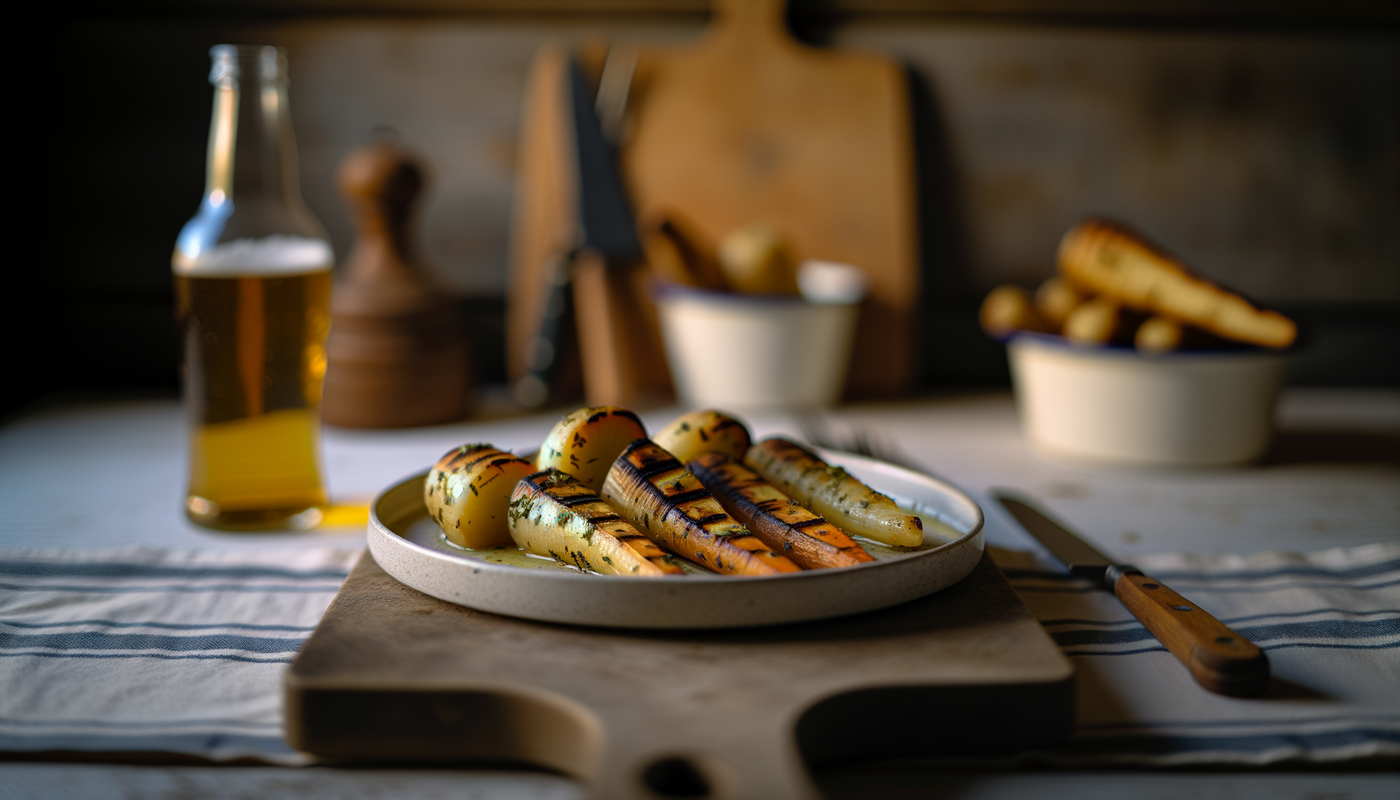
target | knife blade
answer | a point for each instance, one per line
(607, 241)
(624, 363)
(1218, 658)
(604, 212)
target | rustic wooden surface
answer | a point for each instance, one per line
(392, 673)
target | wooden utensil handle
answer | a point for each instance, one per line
(1219, 659)
(624, 361)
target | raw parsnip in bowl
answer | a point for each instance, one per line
(1127, 356)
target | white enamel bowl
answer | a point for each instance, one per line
(790, 352)
(1113, 405)
(410, 547)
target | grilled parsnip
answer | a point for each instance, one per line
(468, 490)
(666, 502)
(585, 442)
(831, 492)
(781, 522)
(551, 514)
(689, 435)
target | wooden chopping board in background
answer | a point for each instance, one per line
(751, 126)
(392, 674)
(747, 126)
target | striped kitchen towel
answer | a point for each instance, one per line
(156, 650)
(176, 651)
(1329, 622)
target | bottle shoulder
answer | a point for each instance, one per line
(251, 235)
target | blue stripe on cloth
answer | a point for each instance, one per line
(1330, 629)
(162, 656)
(49, 569)
(1280, 646)
(94, 640)
(1297, 570)
(1159, 727)
(1121, 744)
(111, 623)
(196, 743)
(212, 587)
(1292, 570)
(1230, 620)
(1273, 587)
(107, 723)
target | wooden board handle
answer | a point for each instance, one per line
(1219, 659)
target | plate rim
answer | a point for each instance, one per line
(378, 530)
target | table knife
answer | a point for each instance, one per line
(1219, 659)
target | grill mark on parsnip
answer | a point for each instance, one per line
(829, 491)
(467, 492)
(585, 442)
(698, 432)
(649, 471)
(690, 497)
(462, 456)
(669, 505)
(551, 514)
(782, 524)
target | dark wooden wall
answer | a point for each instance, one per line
(1261, 141)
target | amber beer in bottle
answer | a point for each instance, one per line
(253, 282)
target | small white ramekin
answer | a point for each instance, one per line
(1114, 405)
(755, 351)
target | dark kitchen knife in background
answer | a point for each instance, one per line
(1218, 658)
(594, 291)
(624, 363)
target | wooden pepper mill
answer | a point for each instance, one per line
(397, 355)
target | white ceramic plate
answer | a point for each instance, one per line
(411, 547)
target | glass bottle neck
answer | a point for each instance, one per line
(252, 150)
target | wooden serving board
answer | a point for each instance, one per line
(393, 674)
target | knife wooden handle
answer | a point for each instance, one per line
(1219, 659)
(624, 361)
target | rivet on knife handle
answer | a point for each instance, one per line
(1219, 659)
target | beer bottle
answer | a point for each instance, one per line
(253, 280)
